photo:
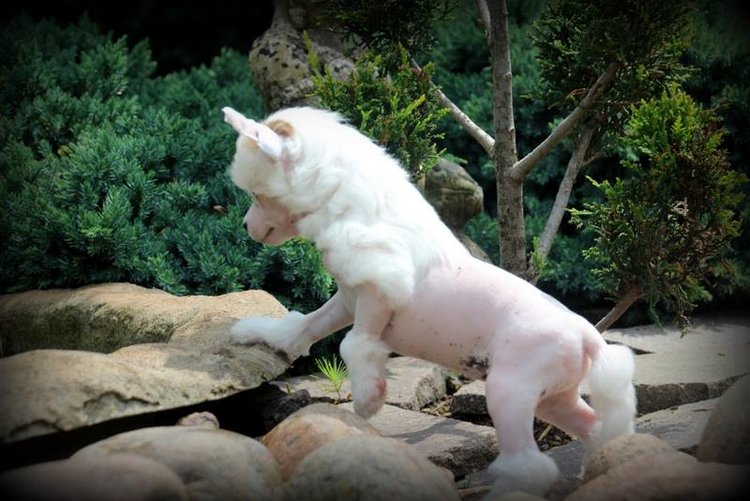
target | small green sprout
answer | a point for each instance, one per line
(335, 371)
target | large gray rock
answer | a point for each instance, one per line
(470, 399)
(726, 438)
(680, 427)
(106, 317)
(371, 468)
(279, 61)
(413, 383)
(213, 464)
(456, 196)
(119, 477)
(48, 390)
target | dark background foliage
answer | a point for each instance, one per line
(169, 87)
(109, 173)
(181, 33)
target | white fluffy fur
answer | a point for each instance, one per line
(408, 285)
(366, 360)
(612, 393)
(286, 332)
(529, 470)
(352, 208)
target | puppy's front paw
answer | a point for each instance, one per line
(285, 334)
(368, 395)
(252, 330)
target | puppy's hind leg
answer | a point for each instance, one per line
(294, 333)
(521, 466)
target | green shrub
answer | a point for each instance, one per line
(110, 174)
(664, 231)
(389, 102)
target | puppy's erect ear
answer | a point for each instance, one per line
(267, 140)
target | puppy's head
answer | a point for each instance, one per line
(261, 164)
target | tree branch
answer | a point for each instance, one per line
(555, 217)
(466, 123)
(631, 295)
(484, 14)
(522, 168)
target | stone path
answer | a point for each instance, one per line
(188, 359)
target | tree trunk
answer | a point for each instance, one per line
(509, 191)
(631, 295)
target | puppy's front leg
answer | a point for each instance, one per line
(365, 353)
(294, 333)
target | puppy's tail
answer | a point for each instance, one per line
(612, 391)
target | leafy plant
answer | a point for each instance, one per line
(383, 25)
(335, 371)
(664, 229)
(109, 174)
(389, 102)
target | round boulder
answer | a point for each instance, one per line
(213, 464)
(621, 450)
(372, 468)
(310, 428)
(662, 476)
(115, 477)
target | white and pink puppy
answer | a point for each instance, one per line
(406, 284)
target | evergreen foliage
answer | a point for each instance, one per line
(108, 174)
(665, 228)
(389, 24)
(389, 102)
(576, 40)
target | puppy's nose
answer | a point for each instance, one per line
(245, 226)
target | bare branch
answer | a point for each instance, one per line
(522, 168)
(628, 299)
(484, 14)
(576, 162)
(466, 123)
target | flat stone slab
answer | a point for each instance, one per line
(52, 389)
(675, 369)
(670, 369)
(411, 384)
(456, 445)
(681, 427)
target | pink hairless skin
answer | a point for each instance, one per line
(405, 284)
